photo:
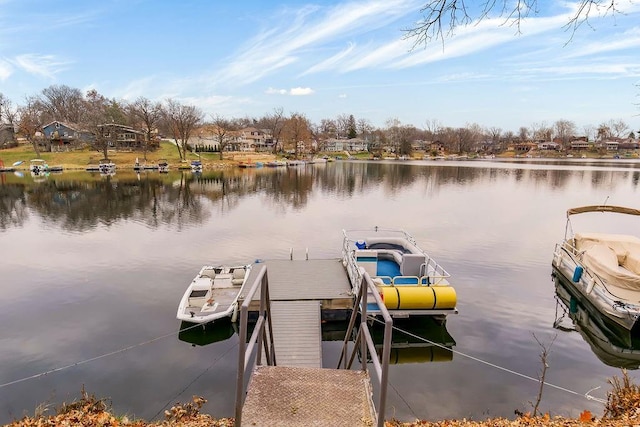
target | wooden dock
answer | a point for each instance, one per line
(299, 391)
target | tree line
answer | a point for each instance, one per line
(293, 132)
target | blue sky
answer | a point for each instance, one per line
(245, 58)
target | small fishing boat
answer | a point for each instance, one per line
(213, 294)
(409, 281)
(196, 166)
(604, 268)
(163, 166)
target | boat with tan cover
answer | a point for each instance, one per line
(603, 267)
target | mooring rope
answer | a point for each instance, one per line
(82, 362)
(194, 380)
(502, 368)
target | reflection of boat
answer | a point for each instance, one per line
(206, 334)
(409, 281)
(196, 166)
(613, 346)
(603, 268)
(163, 166)
(213, 294)
(276, 164)
(416, 341)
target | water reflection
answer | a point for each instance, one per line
(419, 340)
(612, 346)
(80, 201)
(201, 335)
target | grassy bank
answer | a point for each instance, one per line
(80, 159)
(622, 409)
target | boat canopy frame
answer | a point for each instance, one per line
(568, 231)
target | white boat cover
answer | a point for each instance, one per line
(613, 257)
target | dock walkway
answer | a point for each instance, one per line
(299, 391)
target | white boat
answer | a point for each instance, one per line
(410, 282)
(163, 166)
(38, 166)
(106, 167)
(604, 268)
(213, 294)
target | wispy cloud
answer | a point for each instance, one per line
(310, 28)
(5, 70)
(296, 91)
(42, 65)
(627, 40)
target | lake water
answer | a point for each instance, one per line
(93, 269)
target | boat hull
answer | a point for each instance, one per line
(590, 287)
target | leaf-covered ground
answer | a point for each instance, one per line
(622, 409)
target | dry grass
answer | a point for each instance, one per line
(80, 159)
(622, 409)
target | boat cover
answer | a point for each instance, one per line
(613, 257)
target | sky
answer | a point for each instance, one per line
(323, 59)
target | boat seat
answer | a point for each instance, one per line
(411, 264)
(603, 261)
(238, 276)
(209, 272)
(368, 260)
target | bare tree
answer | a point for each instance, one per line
(603, 131)
(442, 17)
(540, 131)
(222, 129)
(328, 128)
(523, 134)
(589, 131)
(296, 131)
(149, 114)
(565, 130)
(342, 125)
(94, 118)
(64, 103)
(30, 121)
(494, 134)
(618, 128)
(181, 120)
(365, 128)
(274, 122)
(433, 128)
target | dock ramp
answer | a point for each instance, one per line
(282, 396)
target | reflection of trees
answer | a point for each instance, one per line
(12, 206)
(80, 202)
(83, 204)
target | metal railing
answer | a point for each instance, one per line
(261, 338)
(364, 342)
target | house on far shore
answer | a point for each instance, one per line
(122, 136)
(549, 145)
(7, 135)
(61, 134)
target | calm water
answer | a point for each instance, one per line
(92, 266)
